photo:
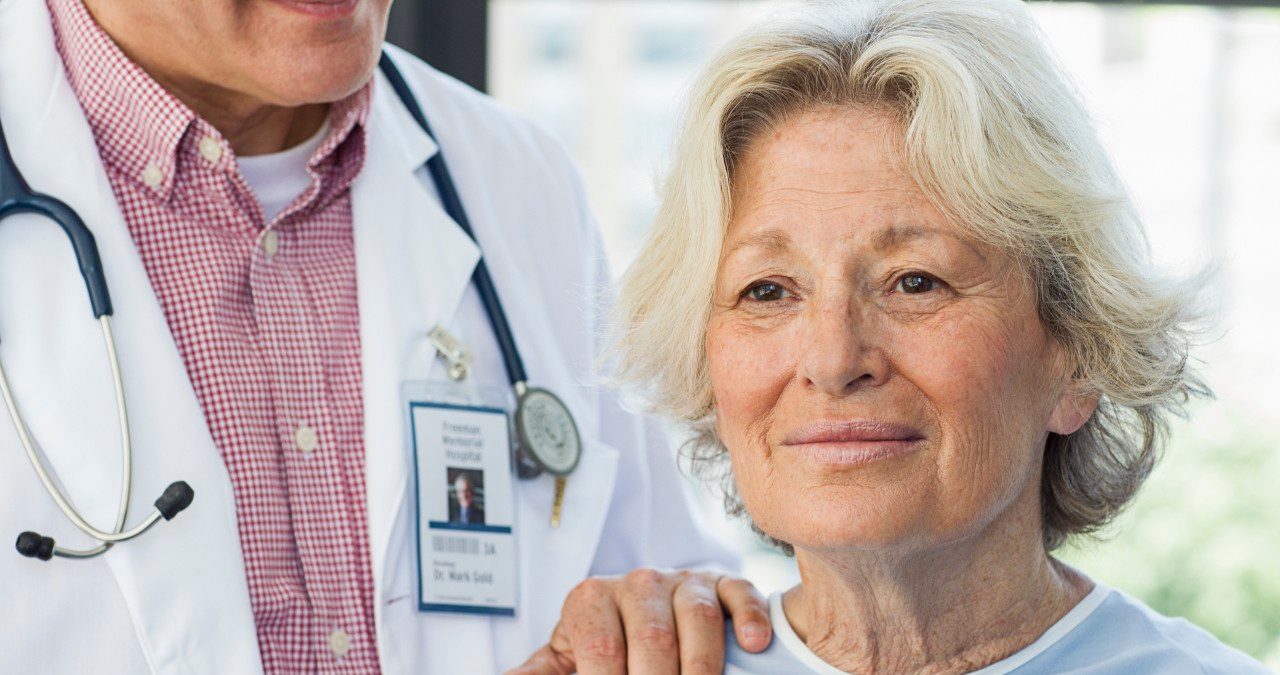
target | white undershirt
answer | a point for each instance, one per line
(792, 642)
(279, 178)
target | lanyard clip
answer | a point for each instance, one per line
(451, 350)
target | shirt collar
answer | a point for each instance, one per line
(340, 158)
(137, 124)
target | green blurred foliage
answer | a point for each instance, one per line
(1202, 540)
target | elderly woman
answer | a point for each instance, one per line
(897, 286)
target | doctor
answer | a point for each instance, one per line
(277, 256)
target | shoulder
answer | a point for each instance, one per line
(523, 191)
(1123, 635)
(494, 136)
(525, 199)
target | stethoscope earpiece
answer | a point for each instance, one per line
(176, 497)
(33, 545)
(16, 196)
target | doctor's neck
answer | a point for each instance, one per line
(251, 127)
(261, 75)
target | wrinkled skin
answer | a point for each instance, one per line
(846, 300)
(652, 622)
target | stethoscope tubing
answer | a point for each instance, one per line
(526, 468)
(452, 204)
(126, 459)
(17, 197)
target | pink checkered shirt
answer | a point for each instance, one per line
(269, 332)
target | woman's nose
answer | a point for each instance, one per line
(840, 353)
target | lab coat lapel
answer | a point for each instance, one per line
(184, 581)
(552, 559)
(413, 264)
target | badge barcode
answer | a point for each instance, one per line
(443, 544)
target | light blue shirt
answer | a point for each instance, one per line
(1107, 632)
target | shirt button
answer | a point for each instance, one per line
(270, 242)
(210, 149)
(306, 438)
(152, 176)
(339, 643)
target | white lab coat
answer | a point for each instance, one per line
(175, 600)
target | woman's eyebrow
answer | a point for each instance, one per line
(776, 241)
(770, 241)
(896, 235)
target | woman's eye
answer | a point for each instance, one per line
(915, 283)
(767, 292)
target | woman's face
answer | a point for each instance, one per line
(881, 381)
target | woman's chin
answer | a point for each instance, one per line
(844, 527)
(880, 540)
(852, 522)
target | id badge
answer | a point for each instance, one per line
(465, 492)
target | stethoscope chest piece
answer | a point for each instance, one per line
(546, 432)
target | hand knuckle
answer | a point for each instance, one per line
(589, 590)
(644, 578)
(703, 608)
(655, 637)
(736, 586)
(731, 583)
(605, 647)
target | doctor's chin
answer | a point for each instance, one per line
(340, 337)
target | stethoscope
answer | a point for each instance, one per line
(546, 435)
(547, 438)
(16, 197)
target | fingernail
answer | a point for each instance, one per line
(754, 632)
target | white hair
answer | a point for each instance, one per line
(999, 140)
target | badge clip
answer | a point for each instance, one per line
(451, 350)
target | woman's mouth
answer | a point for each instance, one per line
(852, 442)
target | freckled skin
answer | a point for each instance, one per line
(968, 362)
(843, 294)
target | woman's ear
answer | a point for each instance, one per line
(1074, 408)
